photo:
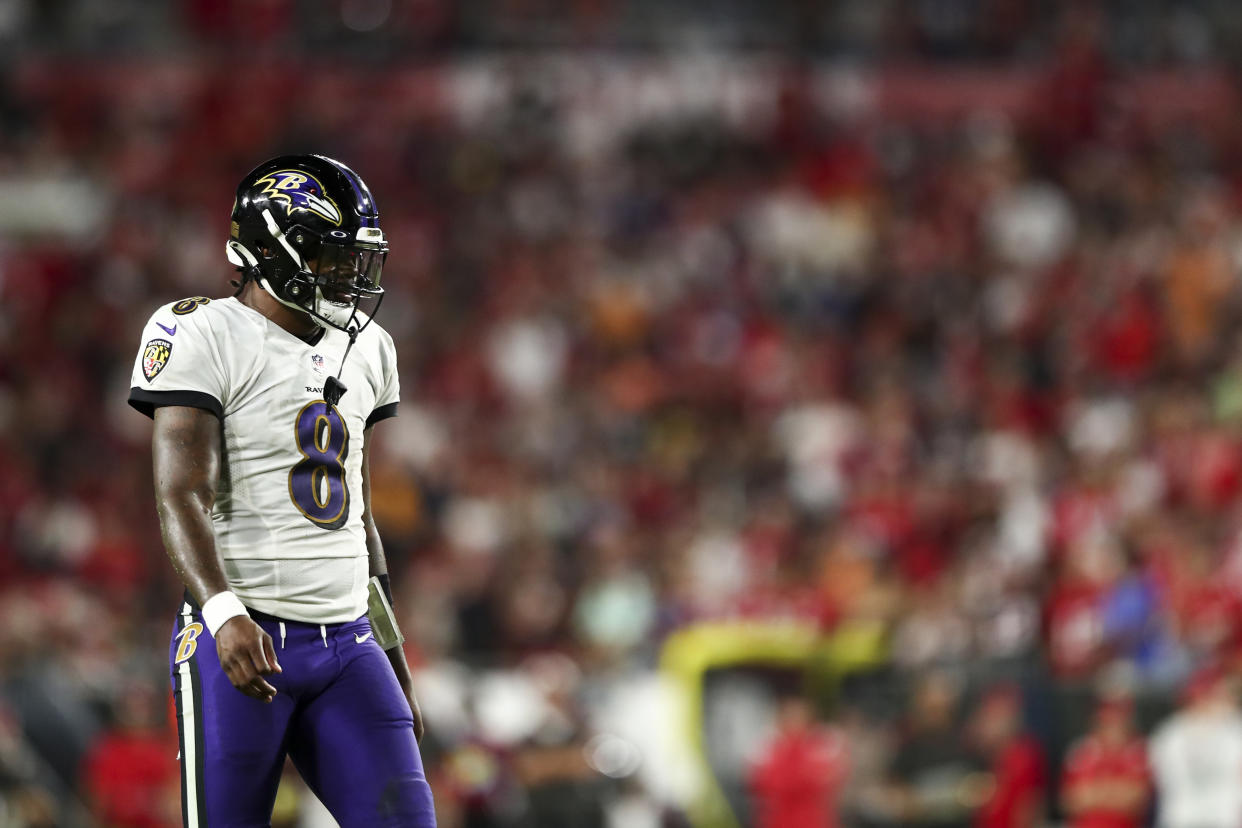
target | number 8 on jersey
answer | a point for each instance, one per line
(317, 482)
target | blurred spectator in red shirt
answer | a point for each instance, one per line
(1106, 782)
(1205, 606)
(797, 780)
(1017, 762)
(130, 774)
(1075, 635)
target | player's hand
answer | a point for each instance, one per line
(247, 655)
(415, 711)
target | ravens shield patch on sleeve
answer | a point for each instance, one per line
(155, 357)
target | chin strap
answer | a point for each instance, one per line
(333, 388)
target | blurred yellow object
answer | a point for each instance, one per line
(288, 801)
(692, 651)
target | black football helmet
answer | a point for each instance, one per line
(306, 229)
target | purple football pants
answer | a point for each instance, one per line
(339, 713)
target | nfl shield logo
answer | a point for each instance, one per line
(155, 357)
(317, 360)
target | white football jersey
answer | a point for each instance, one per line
(288, 509)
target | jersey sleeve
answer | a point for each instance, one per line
(178, 363)
(388, 394)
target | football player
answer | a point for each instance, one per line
(261, 481)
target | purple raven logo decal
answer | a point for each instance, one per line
(300, 191)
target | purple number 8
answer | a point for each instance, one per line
(317, 482)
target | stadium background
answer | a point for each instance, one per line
(879, 353)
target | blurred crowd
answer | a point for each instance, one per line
(959, 390)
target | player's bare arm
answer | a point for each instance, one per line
(186, 451)
(379, 566)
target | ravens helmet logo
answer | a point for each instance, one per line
(300, 191)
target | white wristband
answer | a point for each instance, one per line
(220, 608)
